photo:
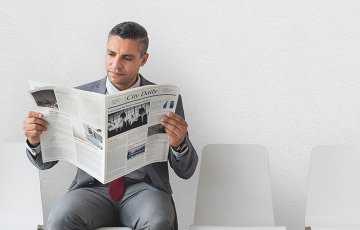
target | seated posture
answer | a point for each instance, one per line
(146, 201)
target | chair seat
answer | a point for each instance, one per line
(334, 228)
(19, 226)
(198, 227)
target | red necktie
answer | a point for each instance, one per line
(116, 188)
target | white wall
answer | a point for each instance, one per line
(279, 73)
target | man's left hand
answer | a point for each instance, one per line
(175, 127)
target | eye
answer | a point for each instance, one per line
(128, 58)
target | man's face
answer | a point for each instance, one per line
(123, 61)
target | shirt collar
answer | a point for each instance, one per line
(110, 88)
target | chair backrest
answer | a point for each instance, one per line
(333, 197)
(234, 186)
(20, 197)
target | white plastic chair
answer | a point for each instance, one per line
(333, 200)
(20, 197)
(234, 190)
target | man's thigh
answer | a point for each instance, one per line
(84, 208)
(146, 207)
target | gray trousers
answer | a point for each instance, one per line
(142, 207)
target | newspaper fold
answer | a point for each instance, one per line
(107, 136)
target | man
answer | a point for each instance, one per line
(147, 202)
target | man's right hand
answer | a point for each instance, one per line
(33, 126)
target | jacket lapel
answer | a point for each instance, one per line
(100, 86)
(143, 81)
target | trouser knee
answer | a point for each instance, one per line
(156, 223)
(161, 224)
(65, 221)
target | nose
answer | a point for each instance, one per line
(117, 63)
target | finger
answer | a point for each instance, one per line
(31, 127)
(175, 127)
(35, 114)
(175, 135)
(171, 134)
(176, 117)
(33, 133)
(174, 139)
(171, 128)
(34, 120)
(180, 124)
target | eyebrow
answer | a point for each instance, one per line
(126, 55)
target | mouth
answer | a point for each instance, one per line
(116, 74)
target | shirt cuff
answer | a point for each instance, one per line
(181, 152)
(34, 151)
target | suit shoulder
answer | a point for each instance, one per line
(91, 86)
(144, 81)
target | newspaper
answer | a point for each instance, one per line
(107, 136)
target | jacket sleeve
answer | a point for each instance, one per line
(185, 165)
(38, 162)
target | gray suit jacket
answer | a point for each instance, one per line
(158, 173)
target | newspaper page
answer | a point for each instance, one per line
(135, 134)
(72, 115)
(107, 136)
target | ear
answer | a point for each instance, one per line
(144, 59)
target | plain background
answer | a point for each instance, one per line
(284, 74)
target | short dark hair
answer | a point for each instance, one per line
(133, 31)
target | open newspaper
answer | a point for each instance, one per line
(107, 136)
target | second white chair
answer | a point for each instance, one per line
(333, 200)
(20, 198)
(234, 190)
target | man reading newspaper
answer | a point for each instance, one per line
(144, 200)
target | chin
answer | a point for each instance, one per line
(117, 80)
